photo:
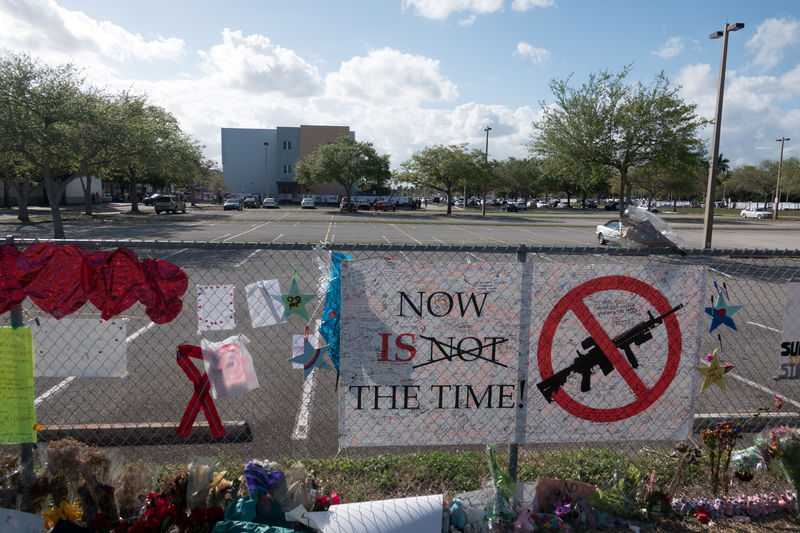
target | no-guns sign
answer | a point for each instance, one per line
(451, 353)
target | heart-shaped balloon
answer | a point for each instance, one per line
(51, 275)
(167, 283)
(113, 281)
(11, 292)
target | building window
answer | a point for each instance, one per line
(287, 169)
(287, 145)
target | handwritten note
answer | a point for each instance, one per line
(17, 415)
(12, 521)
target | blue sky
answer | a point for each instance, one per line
(406, 74)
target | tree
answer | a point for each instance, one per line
(522, 176)
(755, 182)
(441, 168)
(345, 161)
(608, 123)
(41, 107)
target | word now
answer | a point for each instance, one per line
(494, 396)
(441, 303)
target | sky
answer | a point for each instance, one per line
(408, 74)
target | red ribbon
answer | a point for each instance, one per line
(202, 394)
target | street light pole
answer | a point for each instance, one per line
(778, 183)
(266, 170)
(708, 222)
(487, 129)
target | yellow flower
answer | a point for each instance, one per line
(64, 511)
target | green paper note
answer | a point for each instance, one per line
(17, 415)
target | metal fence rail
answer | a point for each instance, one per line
(289, 417)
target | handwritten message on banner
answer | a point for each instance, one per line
(454, 353)
(17, 415)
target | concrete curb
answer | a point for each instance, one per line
(154, 434)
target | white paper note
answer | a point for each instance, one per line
(215, 307)
(84, 347)
(264, 301)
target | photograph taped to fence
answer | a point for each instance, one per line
(453, 353)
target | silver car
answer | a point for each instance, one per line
(756, 212)
(608, 232)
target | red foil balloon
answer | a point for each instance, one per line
(51, 275)
(167, 283)
(113, 281)
(11, 292)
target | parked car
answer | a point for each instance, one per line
(269, 203)
(613, 206)
(348, 207)
(756, 212)
(364, 205)
(590, 204)
(106, 197)
(608, 232)
(170, 202)
(232, 204)
(307, 203)
(384, 206)
(249, 202)
(512, 207)
(150, 199)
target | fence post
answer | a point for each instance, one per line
(513, 451)
(26, 449)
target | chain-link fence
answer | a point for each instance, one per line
(289, 416)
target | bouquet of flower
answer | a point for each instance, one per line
(720, 443)
(787, 441)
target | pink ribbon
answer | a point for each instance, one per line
(202, 394)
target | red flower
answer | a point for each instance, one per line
(99, 524)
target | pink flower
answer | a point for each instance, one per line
(778, 403)
(335, 499)
(709, 357)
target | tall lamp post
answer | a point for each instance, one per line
(708, 222)
(487, 129)
(778, 183)
(266, 170)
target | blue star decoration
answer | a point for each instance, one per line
(722, 313)
(311, 358)
(294, 302)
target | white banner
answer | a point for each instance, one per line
(790, 339)
(515, 352)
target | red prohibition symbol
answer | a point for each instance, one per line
(574, 301)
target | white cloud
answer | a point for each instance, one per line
(44, 28)
(252, 63)
(525, 5)
(441, 9)
(469, 21)
(670, 49)
(536, 55)
(772, 39)
(387, 75)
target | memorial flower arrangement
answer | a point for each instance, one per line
(720, 443)
(786, 441)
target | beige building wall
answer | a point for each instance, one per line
(311, 137)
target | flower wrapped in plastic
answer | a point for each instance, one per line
(787, 441)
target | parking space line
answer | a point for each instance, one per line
(484, 238)
(174, 253)
(762, 388)
(276, 238)
(763, 326)
(720, 272)
(330, 224)
(237, 265)
(406, 234)
(300, 431)
(257, 226)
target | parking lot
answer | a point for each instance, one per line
(428, 226)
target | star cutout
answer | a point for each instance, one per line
(311, 358)
(722, 313)
(294, 302)
(714, 373)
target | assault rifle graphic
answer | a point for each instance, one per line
(594, 355)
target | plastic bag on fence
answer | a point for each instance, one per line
(9, 480)
(640, 227)
(133, 483)
(498, 509)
